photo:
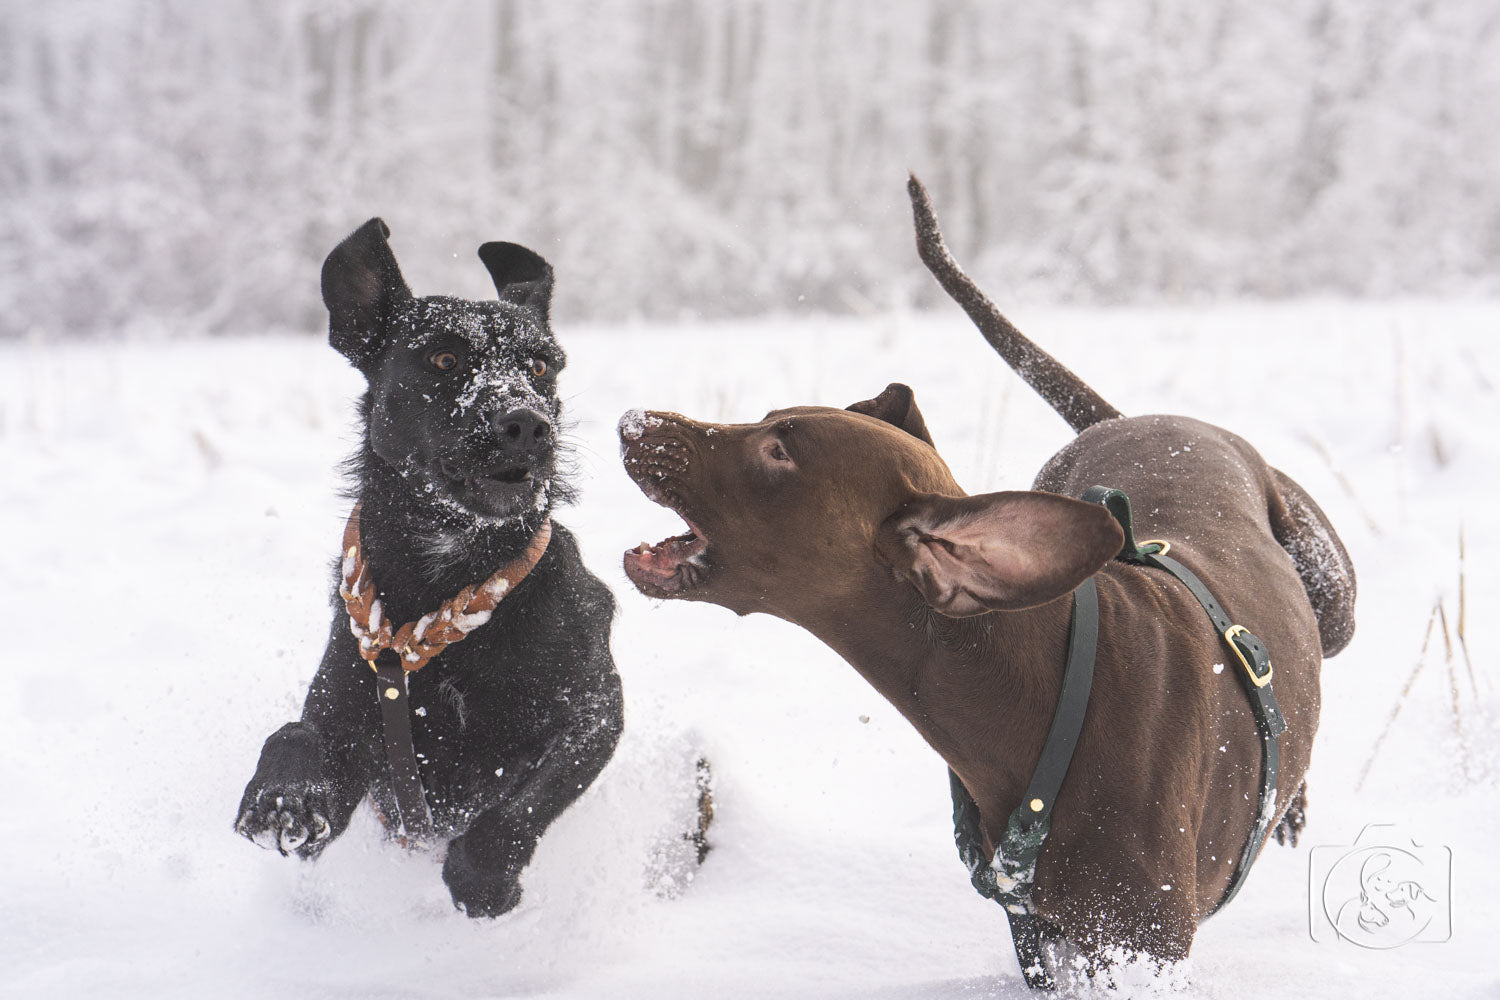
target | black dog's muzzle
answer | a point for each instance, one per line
(523, 433)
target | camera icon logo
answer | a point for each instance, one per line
(1383, 891)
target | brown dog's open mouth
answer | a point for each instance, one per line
(671, 566)
(657, 463)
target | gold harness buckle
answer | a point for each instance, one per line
(1259, 680)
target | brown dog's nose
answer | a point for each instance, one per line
(523, 430)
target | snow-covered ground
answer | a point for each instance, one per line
(169, 515)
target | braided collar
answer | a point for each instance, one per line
(416, 643)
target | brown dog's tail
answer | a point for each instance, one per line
(1079, 405)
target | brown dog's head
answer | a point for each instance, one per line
(815, 508)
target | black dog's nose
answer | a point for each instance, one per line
(523, 430)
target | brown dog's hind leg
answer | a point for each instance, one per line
(703, 781)
(1327, 573)
(1293, 820)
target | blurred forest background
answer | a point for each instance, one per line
(173, 167)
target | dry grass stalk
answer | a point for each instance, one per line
(1458, 722)
(1401, 698)
(1442, 611)
(1463, 641)
(1344, 483)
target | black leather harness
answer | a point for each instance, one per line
(1009, 875)
(413, 819)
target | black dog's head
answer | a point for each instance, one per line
(463, 395)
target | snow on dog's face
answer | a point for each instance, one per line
(464, 403)
(779, 510)
(463, 395)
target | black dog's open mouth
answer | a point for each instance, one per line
(511, 476)
(490, 491)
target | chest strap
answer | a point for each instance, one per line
(1254, 671)
(1008, 876)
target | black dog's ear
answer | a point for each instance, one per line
(520, 276)
(361, 283)
(896, 405)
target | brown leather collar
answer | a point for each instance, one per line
(416, 643)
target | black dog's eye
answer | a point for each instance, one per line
(538, 367)
(443, 361)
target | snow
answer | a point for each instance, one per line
(634, 422)
(468, 623)
(177, 506)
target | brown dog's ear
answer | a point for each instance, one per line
(361, 283)
(997, 551)
(520, 276)
(896, 405)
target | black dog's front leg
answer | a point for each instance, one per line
(286, 805)
(483, 867)
(313, 773)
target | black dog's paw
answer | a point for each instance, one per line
(487, 900)
(479, 889)
(290, 818)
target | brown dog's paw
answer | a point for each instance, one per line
(680, 851)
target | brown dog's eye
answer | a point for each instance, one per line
(538, 367)
(777, 453)
(443, 361)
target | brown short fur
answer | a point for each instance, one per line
(956, 608)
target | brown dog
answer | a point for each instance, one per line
(956, 608)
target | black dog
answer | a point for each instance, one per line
(456, 477)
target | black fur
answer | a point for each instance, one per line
(457, 471)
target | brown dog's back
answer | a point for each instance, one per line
(1212, 496)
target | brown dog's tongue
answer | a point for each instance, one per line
(662, 564)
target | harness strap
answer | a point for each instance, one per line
(1009, 875)
(414, 817)
(1255, 672)
(1072, 702)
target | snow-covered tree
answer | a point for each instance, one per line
(169, 165)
